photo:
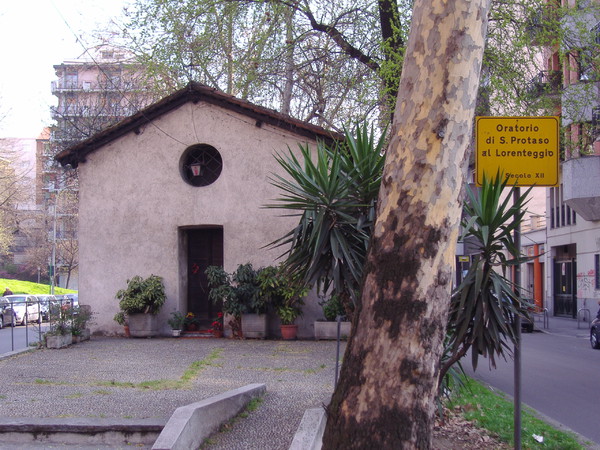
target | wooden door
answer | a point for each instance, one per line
(205, 248)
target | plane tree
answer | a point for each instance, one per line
(385, 396)
(328, 62)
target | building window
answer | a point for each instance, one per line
(201, 165)
(561, 214)
(71, 79)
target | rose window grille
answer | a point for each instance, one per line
(201, 165)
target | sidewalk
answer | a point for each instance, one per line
(563, 326)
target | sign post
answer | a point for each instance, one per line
(526, 151)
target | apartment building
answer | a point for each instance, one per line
(571, 255)
(94, 92)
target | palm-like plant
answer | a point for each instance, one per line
(484, 305)
(334, 198)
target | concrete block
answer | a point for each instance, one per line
(328, 330)
(59, 341)
(190, 425)
(255, 326)
(80, 432)
(309, 435)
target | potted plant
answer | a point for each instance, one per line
(332, 309)
(81, 316)
(140, 302)
(254, 320)
(217, 326)
(60, 334)
(288, 315)
(231, 292)
(121, 319)
(176, 323)
(284, 291)
(191, 322)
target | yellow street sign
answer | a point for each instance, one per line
(525, 149)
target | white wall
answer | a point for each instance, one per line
(133, 200)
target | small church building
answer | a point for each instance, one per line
(177, 187)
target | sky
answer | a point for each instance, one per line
(34, 38)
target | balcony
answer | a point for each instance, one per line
(115, 83)
(546, 82)
(581, 186)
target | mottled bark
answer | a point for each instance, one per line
(385, 397)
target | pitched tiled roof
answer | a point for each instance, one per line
(193, 92)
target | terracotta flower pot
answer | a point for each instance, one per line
(218, 333)
(289, 332)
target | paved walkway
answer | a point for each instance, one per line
(564, 327)
(144, 378)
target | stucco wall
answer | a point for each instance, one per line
(133, 201)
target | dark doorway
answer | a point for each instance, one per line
(204, 248)
(565, 297)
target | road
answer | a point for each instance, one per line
(19, 337)
(559, 379)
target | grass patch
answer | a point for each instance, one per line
(283, 348)
(494, 412)
(102, 392)
(28, 287)
(76, 395)
(198, 366)
(284, 369)
(119, 384)
(48, 382)
(190, 374)
(252, 406)
(314, 371)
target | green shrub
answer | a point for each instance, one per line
(142, 295)
(332, 308)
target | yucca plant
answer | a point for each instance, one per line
(484, 305)
(333, 193)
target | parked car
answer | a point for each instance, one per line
(24, 308)
(45, 302)
(527, 325)
(74, 298)
(5, 313)
(595, 334)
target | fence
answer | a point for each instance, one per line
(36, 316)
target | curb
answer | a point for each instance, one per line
(16, 352)
(190, 425)
(309, 435)
(187, 428)
(79, 431)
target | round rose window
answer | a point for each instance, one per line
(201, 165)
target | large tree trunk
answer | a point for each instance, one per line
(385, 397)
